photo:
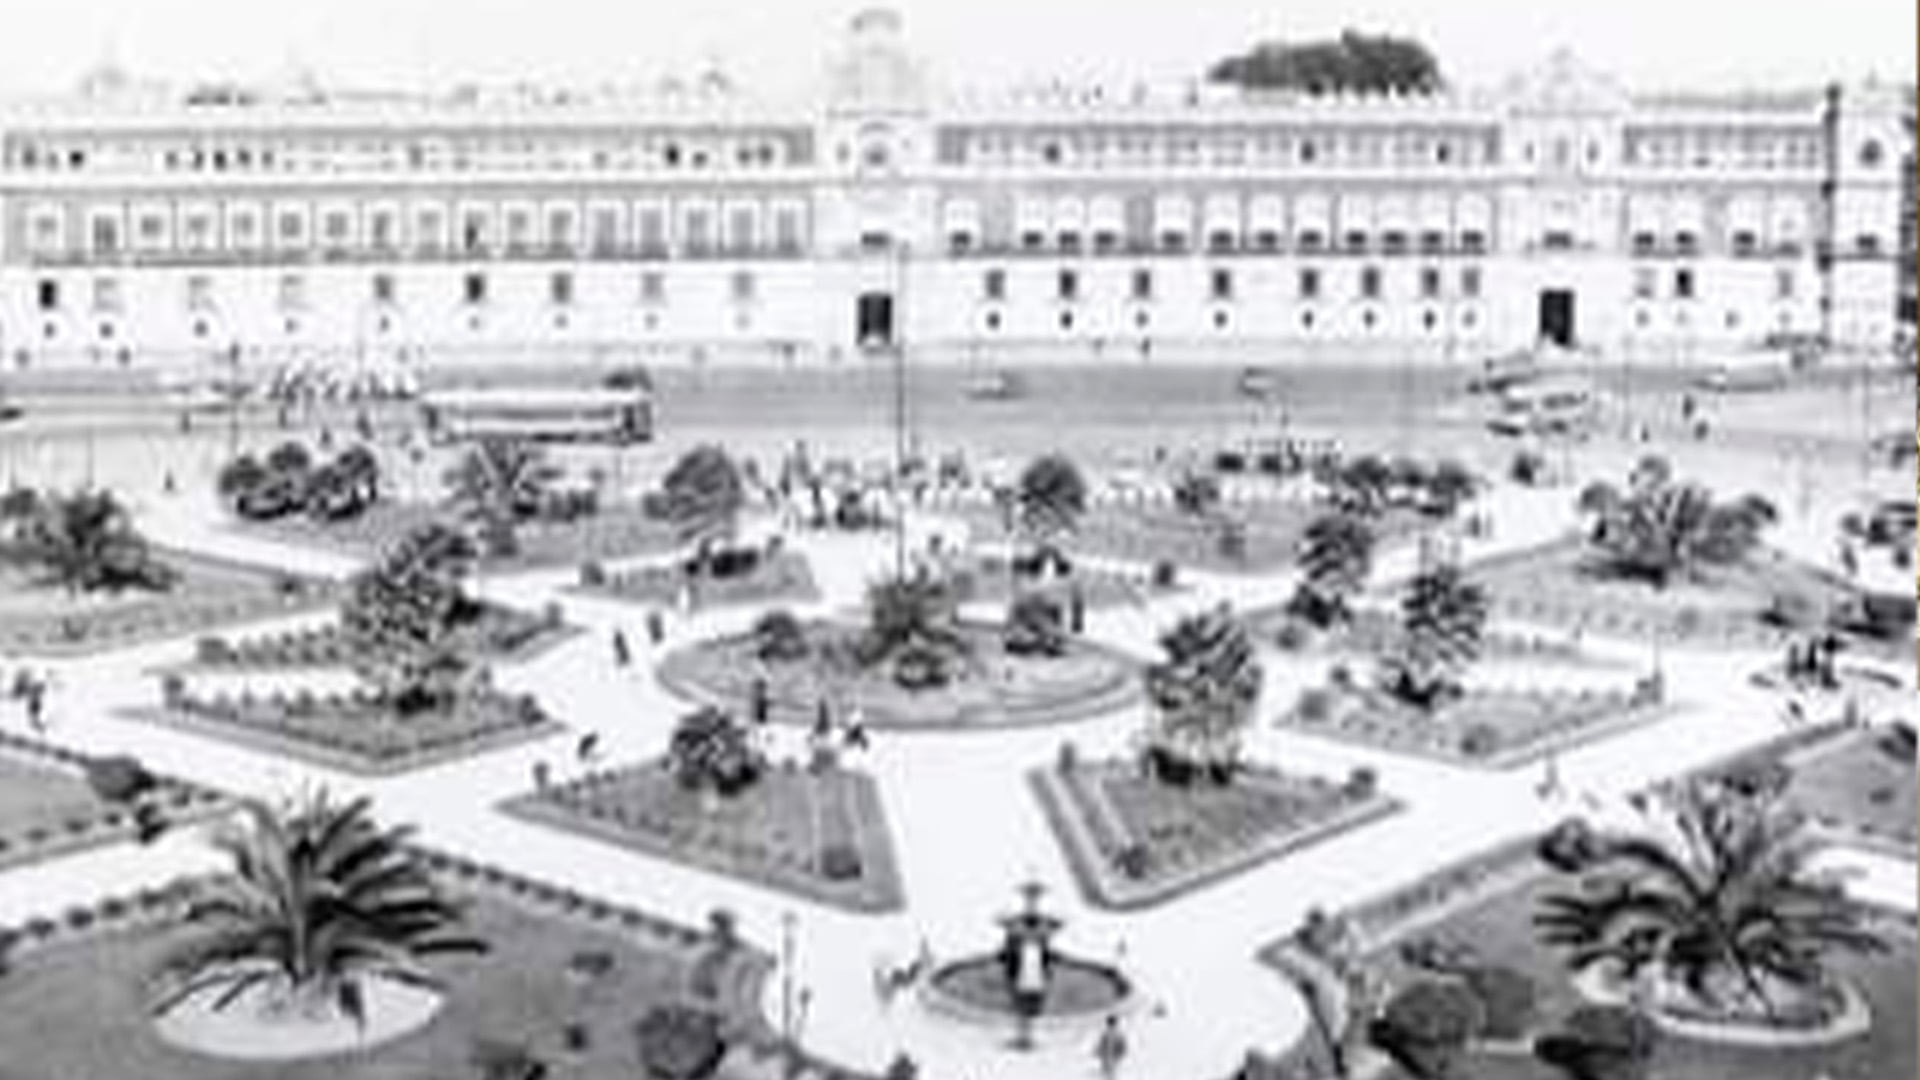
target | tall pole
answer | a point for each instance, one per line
(899, 349)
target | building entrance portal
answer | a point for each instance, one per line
(873, 320)
(1556, 317)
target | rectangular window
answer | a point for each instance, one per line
(1745, 242)
(1142, 285)
(199, 293)
(1643, 243)
(699, 234)
(47, 294)
(1309, 284)
(473, 288)
(292, 228)
(653, 287)
(606, 232)
(1470, 282)
(1473, 240)
(560, 288)
(560, 231)
(1683, 284)
(1069, 285)
(744, 286)
(337, 228)
(473, 233)
(1429, 282)
(519, 230)
(993, 285)
(786, 232)
(106, 295)
(1220, 284)
(653, 232)
(380, 232)
(383, 289)
(106, 236)
(1370, 283)
(1557, 240)
(1867, 244)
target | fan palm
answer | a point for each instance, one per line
(1725, 908)
(320, 901)
(498, 483)
(1203, 693)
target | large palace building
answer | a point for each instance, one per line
(142, 227)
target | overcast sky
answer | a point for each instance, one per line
(777, 45)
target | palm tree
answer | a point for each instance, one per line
(320, 902)
(401, 614)
(703, 494)
(87, 543)
(1722, 905)
(1336, 555)
(1443, 616)
(1658, 527)
(499, 483)
(1203, 694)
(1049, 498)
(917, 613)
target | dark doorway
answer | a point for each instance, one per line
(1556, 317)
(874, 319)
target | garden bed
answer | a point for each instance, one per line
(1560, 584)
(1486, 905)
(566, 979)
(499, 635)
(1376, 631)
(1150, 533)
(822, 835)
(48, 808)
(782, 578)
(1487, 729)
(42, 620)
(358, 732)
(983, 577)
(991, 689)
(1134, 841)
(613, 532)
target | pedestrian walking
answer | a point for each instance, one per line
(622, 652)
(1110, 1049)
(587, 751)
(1077, 610)
(37, 706)
(759, 702)
(656, 626)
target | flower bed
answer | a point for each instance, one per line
(783, 577)
(613, 532)
(1489, 729)
(984, 578)
(48, 808)
(991, 689)
(819, 834)
(359, 732)
(41, 620)
(1728, 607)
(1134, 841)
(1376, 632)
(500, 635)
(534, 990)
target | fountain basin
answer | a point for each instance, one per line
(976, 989)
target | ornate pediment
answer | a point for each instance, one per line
(1565, 86)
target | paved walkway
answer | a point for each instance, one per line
(967, 829)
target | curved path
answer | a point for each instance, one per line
(966, 827)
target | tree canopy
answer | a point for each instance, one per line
(1354, 62)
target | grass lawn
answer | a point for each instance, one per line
(499, 634)
(1182, 838)
(776, 833)
(40, 619)
(993, 689)
(47, 807)
(1489, 729)
(785, 578)
(76, 1006)
(1499, 929)
(358, 733)
(1858, 783)
(613, 533)
(1154, 532)
(1560, 584)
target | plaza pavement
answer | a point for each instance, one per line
(967, 829)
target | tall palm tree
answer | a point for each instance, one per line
(1658, 527)
(320, 901)
(1722, 904)
(498, 483)
(1050, 498)
(1336, 555)
(1203, 694)
(1442, 619)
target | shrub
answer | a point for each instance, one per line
(213, 649)
(119, 778)
(1316, 706)
(732, 562)
(1426, 1028)
(173, 689)
(1509, 999)
(1036, 626)
(1292, 636)
(1571, 846)
(1480, 740)
(1601, 1042)
(1134, 861)
(779, 636)
(1165, 574)
(1069, 757)
(918, 667)
(840, 862)
(593, 574)
(1363, 782)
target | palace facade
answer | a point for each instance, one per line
(140, 227)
